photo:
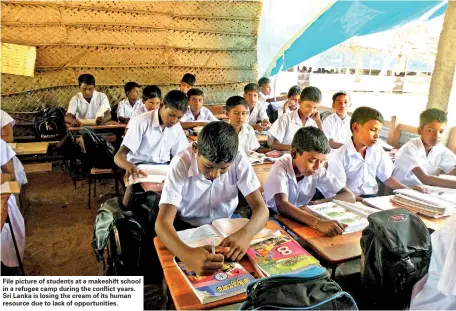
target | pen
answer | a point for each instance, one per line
(213, 246)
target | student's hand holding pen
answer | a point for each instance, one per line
(133, 170)
(203, 261)
(237, 243)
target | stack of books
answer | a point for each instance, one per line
(434, 204)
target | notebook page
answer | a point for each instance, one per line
(200, 236)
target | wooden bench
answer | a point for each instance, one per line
(38, 168)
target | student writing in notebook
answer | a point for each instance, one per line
(420, 159)
(201, 186)
(294, 179)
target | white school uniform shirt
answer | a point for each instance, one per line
(337, 129)
(439, 290)
(287, 125)
(357, 173)
(262, 100)
(125, 110)
(205, 115)
(8, 252)
(81, 109)
(282, 179)
(200, 201)
(257, 114)
(149, 143)
(413, 154)
(247, 139)
(19, 170)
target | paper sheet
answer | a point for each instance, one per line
(18, 59)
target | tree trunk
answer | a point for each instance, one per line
(445, 62)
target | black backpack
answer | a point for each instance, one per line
(49, 124)
(272, 112)
(309, 290)
(99, 152)
(396, 251)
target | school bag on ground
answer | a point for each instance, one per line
(49, 124)
(396, 251)
(309, 290)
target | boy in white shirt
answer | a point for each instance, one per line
(258, 118)
(439, 290)
(88, 104)
(196, 114)
(421, 158)
(361, 160)
(8, 252)
(201, 186)
(237, 111)
(337, 125)
(294, 179)
(187, 82)
(264, 97)
(131, 106)
(151, 97)
(292, 102)
(283, 130)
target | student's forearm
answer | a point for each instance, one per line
(190, 125)
(452, 172)
(293, 212)
(393, 183)
(124, 120)
(278, 146)
(121, 158)
(69, 118)
(437, 181)
(334, 145)
(320, 125)
(7, 133)
(168, 235)
(260, 214)
(107, 116)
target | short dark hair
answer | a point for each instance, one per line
(86, 78)
(310, 139)
(311, 93)
(234, 101)
(194, 92)
(431, 115)
(151, 91)
(218, 142)
(338, 94)
(362, 115)
(177, 100)
(251, 87)
(294, 90)
(130, 86)
(189, 79)
(263, 81)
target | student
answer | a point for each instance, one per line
(439, 289)
(196, 114)
(152, 97)
(361, 160)
(8, 252)
(131, 106)
(201, 186)
(264, 96)
(6, 125)
(237, 111)
(337, 125)
(283, 130)
(421, 158)
(88, 104)
(292, 102)
(154, 136)
(294, 179)
(187, 82)
(258, 118)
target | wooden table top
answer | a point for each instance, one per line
(343, 247)
(10, 187)
(181, 293)
(31, 148)
(262, 172)
(107, 125)
(260, 138)
(221, 116)
(4, 208)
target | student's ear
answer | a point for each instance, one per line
(195, 147)
(419, 130)
(355, 127)
(293, 154)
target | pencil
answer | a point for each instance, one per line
(213, 246)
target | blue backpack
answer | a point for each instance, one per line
(309, 290)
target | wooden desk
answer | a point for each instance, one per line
(221, 116)
(107, 125)
(4, 208)
(31, 148)
(10, 187)
(262, 172)
(341, 248)
(181, 293)
(260, 138)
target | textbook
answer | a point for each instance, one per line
(218, 230)
(155, 174)
(355, 217)
(280, 255)
(231, 280)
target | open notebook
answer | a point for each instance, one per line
(260, 158)
(155, 174)
(218, 230)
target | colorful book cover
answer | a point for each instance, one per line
(280, 255)
(231, 280)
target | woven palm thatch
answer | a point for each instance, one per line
(152, 42)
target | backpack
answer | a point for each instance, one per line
(273, 113)
(49, 124)
(396, 251)
(311, 289)
(99, 152)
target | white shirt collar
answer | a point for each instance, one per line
(82, 98)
